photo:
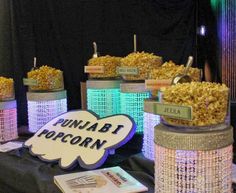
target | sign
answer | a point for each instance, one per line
(174, 111)
(127, 71)
(81, 137)
(30, 82)
(94, 69)
(157, 84)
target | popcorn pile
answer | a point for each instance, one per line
(145, 62)
(110, 63)
(6, 88)
(169, 70)
(47, 78)
(208, 100)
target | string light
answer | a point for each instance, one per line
(8, 121)
(42, 107)
(103, 97)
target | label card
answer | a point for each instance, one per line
(174, 111)
(81, 137)
(157, 84)
(30, 82)
(94, 69)
(127, 71)
(6, 147)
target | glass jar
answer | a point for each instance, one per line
(46, 79)
(209, 102)
(103, 67)
(140, 65)
(7, 91)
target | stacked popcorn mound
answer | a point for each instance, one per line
(169, 70)
(195, 155)
(144, 62)
(110, 63)
(46, 97)
(48, 79)
(6, 89)
(209, 102)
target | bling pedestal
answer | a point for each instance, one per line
(150, 120)
(44, 106)
(8, 121)
(192, 160)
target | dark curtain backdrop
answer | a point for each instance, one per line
(60, 33)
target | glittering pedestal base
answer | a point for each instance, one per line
(150, 121)
(180, 171)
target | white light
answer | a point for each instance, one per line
(149, 122)
(202, 30)
(8, 121)
(41, 112)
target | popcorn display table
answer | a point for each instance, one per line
(22, 173)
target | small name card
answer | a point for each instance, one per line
(157, 84)
(30, 82)
(174, 111)
(94, 69)
(10, 146)
(127, 70)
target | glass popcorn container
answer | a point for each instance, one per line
(169, 70)
(209, 103)
(45, 79)
(7, 91)
(103, 67)
(137, 66)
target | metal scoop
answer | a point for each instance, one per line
(183, 78)
(95, 54)
(35, 64)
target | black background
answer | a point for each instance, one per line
(60, 34)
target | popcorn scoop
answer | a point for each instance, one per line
(183, 78)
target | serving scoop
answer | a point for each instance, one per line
(183, 78)
(95, 52)
(35, 64)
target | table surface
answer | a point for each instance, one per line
(23, 173)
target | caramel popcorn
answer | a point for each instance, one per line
(47, 78)
(6, 88)
(110, 63)
(169, 70)
(209, 102)
(145, 62)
